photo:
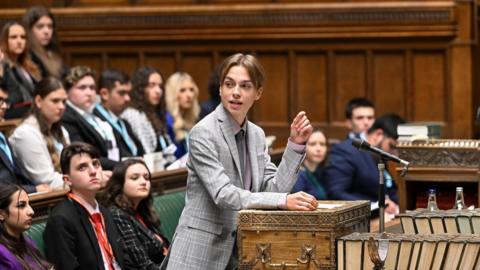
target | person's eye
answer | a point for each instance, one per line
(229, 84)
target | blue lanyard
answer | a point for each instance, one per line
(120, 127)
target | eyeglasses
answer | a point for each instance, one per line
(244, 86)
(4, 101)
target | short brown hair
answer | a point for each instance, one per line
(76, 148)
(75, 74)
(249, 62)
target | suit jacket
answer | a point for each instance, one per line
(206, 232)
(20, 91)
(353, 174)
(11, 173)
(80, 130)
(70, 240)
(145, 251)
(122, 145)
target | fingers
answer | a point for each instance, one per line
(301, 201)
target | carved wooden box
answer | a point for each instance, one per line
(297, 239)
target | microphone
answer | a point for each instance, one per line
(363, 145)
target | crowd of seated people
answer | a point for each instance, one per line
(81, 134)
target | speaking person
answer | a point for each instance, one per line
(229, 170)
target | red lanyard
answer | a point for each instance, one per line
(99, 224)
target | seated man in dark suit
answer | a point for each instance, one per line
(114, 90)
(9, 169)
(80, 122)
(81, 234)
(353, 174)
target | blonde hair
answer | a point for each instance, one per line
(182, 120)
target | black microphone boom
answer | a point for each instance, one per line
(363, 145)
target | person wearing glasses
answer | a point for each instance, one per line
(40, 138)
(10, 169)
(229, 169)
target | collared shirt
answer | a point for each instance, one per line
(103, 129)
(95, 210)
(299, 148)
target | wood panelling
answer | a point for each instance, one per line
(413, 58)
(164, 62)
(275, 93)
(389, 86)
(349, 77)
(311, 86)
(429, 86)
(199, 66)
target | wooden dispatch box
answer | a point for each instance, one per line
(274, 239)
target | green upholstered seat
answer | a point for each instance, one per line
(36, 233)
(169, 207)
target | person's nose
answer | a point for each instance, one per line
(30, 211)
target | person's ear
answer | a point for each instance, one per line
(259, 93)
(38, 101)
(349, 124)
(104, 94)
(3, 215)
(67, 181)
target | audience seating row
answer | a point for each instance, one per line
(168, 207)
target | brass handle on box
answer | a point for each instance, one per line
(307, 255)
(264, 255)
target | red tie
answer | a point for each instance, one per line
(97, 220)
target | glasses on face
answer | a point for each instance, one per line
(244, 86)
(4, 101)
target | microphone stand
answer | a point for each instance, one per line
(381, 195)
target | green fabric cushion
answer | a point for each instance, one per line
(36, 233)
(169, 207)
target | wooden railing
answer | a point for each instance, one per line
(162, 182)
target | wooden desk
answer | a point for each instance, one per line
(441, 164)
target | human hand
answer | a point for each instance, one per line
(301, 201)
(392, 207)
(43, 188)
(300, 129)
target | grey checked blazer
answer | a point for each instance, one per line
(206, 233)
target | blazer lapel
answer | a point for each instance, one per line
(227, 132)
(87, 226)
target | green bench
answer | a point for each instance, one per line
(168, 206)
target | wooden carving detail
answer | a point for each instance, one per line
(441, 153)
(255, 19)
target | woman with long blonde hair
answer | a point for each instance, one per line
(181, 94)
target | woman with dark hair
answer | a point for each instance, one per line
(17, 251)
(20, 74)
(42, 37)
(311, 176)
(130, 199)
(147, 113)
(39, 140)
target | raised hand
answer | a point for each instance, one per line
(301, 201)
(300, 129)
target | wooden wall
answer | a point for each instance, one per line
(412, 58)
